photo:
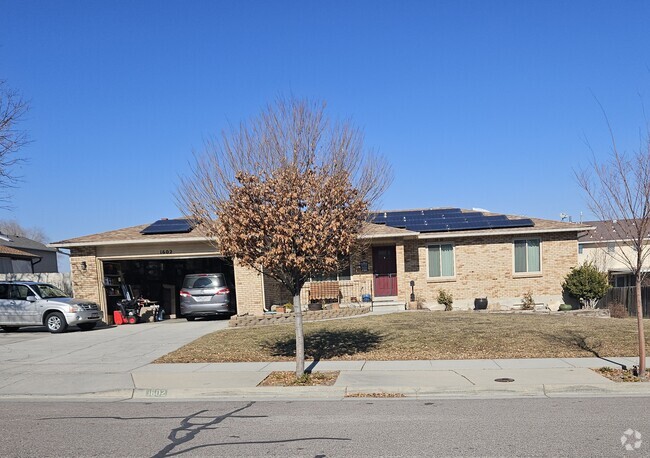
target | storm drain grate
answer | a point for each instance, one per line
(504, 380)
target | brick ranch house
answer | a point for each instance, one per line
(471, 254)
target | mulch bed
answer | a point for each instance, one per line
(620, 375)
(288, 378)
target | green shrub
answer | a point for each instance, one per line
(445, 298)
(586, 283)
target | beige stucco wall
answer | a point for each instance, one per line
(618, 261)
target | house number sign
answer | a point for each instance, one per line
(165, 251)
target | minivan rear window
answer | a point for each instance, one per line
(212, 281)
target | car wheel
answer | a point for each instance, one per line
(86, 326)
(190, 318)
(55, 322)
(9, 328)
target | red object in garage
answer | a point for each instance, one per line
(118, 318)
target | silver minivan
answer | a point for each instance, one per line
(41, 304)
(206, 295)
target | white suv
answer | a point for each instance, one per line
(40, 304)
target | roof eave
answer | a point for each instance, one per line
(459, 234)
(411, 235)
(126, 242)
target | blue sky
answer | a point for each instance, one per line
(476, 103)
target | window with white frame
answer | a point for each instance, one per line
(441, 260)
(528, 256)
(611, 247)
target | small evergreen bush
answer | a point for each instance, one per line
(445, 298)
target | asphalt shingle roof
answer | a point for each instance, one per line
(609, 231)
(133, 234)
(23, 243)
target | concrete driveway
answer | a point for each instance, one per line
(33, 361)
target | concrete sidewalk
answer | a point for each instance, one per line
(420, 379)
(567, 377)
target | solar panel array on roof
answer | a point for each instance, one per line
(168, 226)
(447, 220)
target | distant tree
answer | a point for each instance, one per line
(618, 190)
(12, 109)
(13, 227)
(286, 194)
(586, 283)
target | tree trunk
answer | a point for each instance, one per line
(300, 337)
(639, 320)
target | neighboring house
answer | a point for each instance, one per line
(23, 255)
(471, 254)
(606, 246)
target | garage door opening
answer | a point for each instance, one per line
(159, 280)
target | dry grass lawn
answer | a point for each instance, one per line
(423, 335)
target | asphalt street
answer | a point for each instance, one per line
(589, 427)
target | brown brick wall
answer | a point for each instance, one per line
(86, 282)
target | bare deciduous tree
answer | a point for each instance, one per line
(619, 191)
(13, 227)
(286, 194)
(12, 108)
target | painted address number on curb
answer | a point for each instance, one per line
(157, 393)
(165, 251)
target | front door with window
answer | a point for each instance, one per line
(384, 270)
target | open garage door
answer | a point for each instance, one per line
(159, 279)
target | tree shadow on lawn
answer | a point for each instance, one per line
(326, 344)
(572, 339)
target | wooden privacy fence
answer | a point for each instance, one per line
(626, 296)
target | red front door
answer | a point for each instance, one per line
(384, 270)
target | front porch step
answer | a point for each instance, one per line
(388, 304)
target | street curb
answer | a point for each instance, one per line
(99, 396)
(341, 393)
(303, 392)
(344, 392)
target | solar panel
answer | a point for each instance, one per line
(522, 222)
(169, 226)
(447, 220)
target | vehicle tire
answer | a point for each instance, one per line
(86, 326)
(190, 318)
(9, 328)
(55, 322)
